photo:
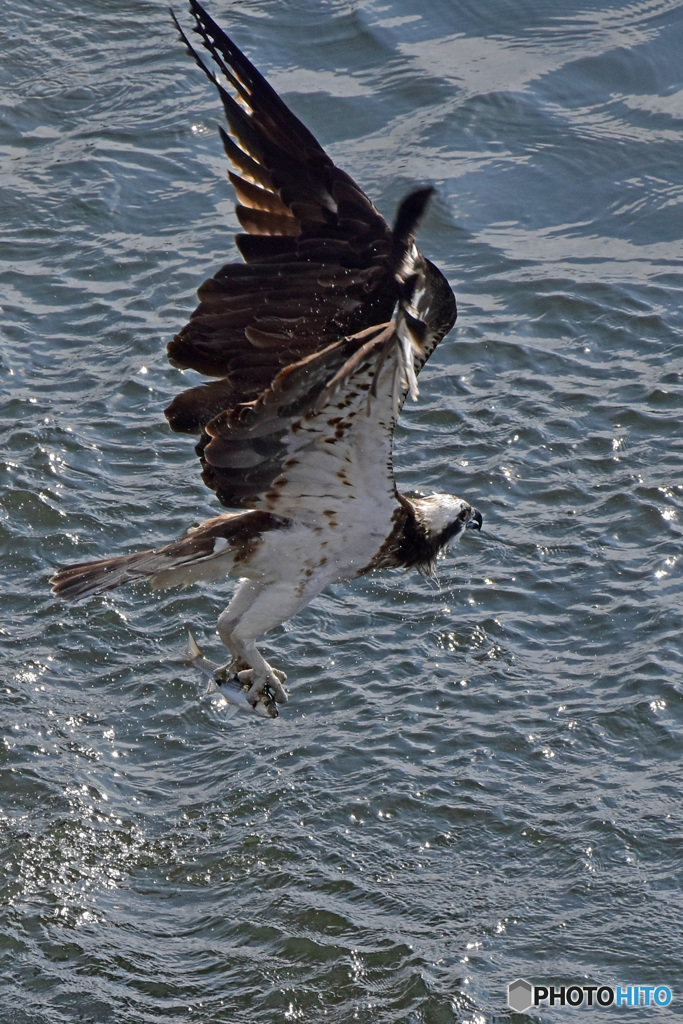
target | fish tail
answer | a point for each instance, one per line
(193, 648)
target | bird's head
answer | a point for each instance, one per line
(443, 517)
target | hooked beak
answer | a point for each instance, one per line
(475, 521)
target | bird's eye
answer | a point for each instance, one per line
(464, 515)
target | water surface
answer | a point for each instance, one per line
(473, 781)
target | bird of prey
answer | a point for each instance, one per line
(313, 343)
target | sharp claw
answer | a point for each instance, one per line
(271, 688)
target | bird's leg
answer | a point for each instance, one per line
(252, 611)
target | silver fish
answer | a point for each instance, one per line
(231, 688)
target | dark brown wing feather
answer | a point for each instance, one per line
(317, 251)
(298, 335)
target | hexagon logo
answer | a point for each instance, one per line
(519, 995)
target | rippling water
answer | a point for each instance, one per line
(472, 782)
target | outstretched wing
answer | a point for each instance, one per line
(317, 251)
(312, 371)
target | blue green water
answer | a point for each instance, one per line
(473, 781)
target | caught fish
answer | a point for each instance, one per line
(232, 689)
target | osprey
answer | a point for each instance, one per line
(313, 343)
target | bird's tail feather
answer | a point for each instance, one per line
(208, 552)
(87, 579)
